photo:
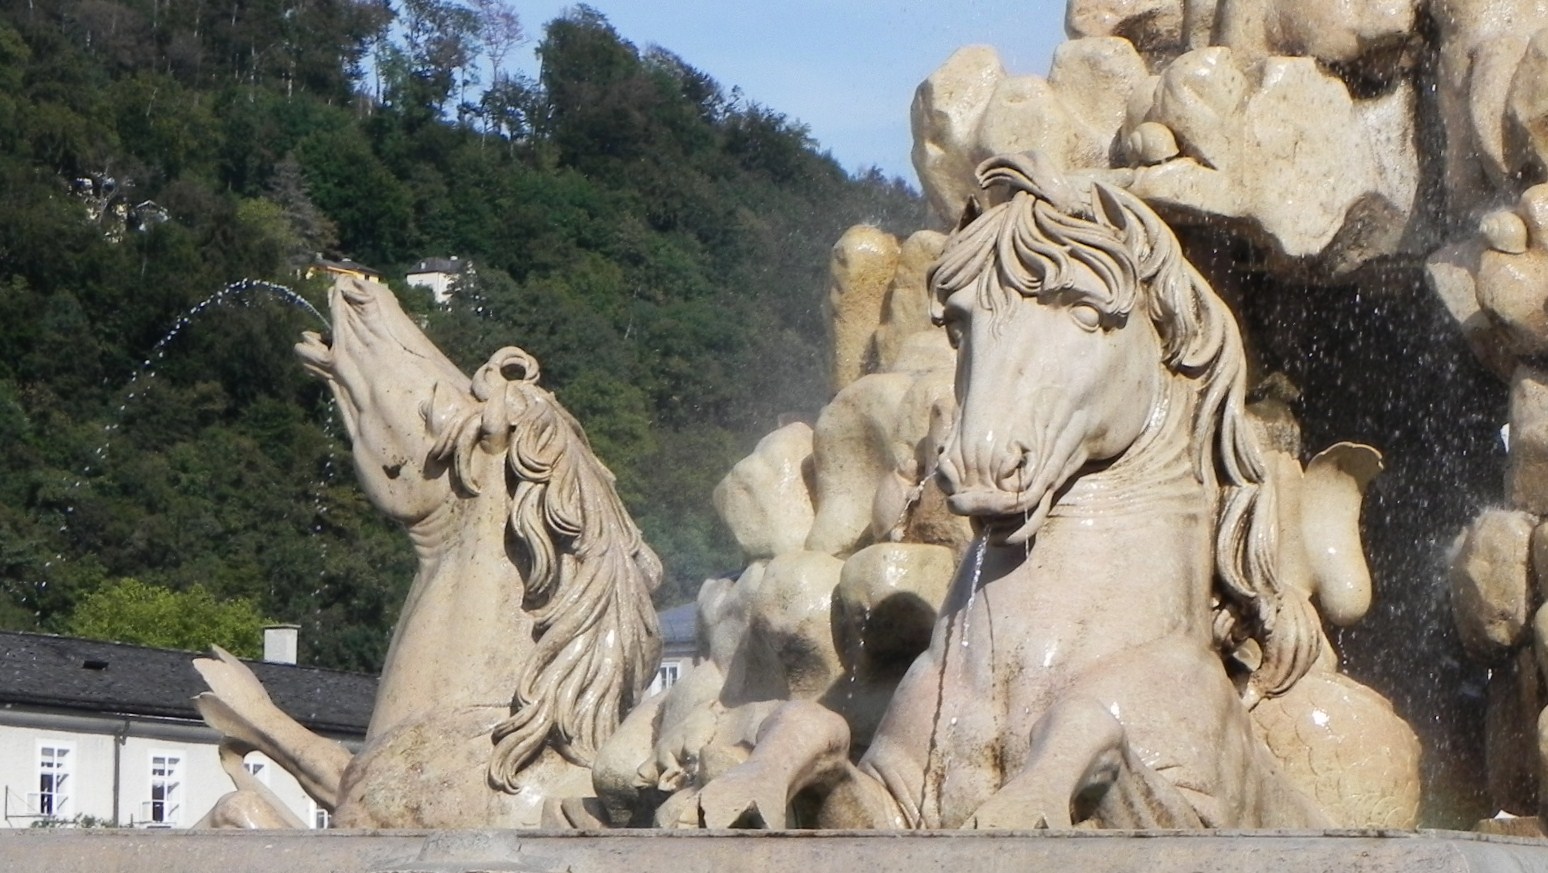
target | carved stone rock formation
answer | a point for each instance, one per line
(971, 109)
(864, 261)
(850, 546)
(766, 498)
(1495, 283)
(1300, 123)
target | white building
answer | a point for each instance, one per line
(107, 733)
(438, 274)
(679, 645)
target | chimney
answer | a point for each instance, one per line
(279, 643)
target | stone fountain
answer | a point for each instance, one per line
(1056, 562)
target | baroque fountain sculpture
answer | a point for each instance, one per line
(1071, 572)
(1129, 642)
(528, 632)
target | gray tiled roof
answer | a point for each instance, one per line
(91, 676)
(680, 624)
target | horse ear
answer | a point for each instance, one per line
(1116, 208)
(1108, 206)
(501, 385)
(1032, 172)
(447, 413)
(970, 212)
(495, 424)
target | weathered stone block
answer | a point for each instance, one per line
(1489, 581)
(92, 851)
(1526, 474)
(766, 498)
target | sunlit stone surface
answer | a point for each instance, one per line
(1052, 578)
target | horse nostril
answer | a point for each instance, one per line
(946, 474)
(1015, 470)
(392, 471)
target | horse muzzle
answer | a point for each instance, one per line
(1010, 489)
(990, 502)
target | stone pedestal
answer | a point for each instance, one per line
(134, 851)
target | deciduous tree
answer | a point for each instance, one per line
(130, 611)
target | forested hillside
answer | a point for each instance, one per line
(658, 242)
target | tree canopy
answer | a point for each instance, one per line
(660, 244)
(130, 611)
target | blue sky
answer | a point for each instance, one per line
(846, 68)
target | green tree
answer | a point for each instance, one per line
(130, 611)
(660, 245)
(310, 229)
(435, 63)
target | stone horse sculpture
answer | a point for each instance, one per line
(528, 631)
(1119, 611)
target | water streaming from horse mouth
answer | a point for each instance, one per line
(158, 352)
(240, 291)
(935, 765)
(979, 551)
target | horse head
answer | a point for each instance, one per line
(385, 373)
(1081, 330)
(1059, 368)
(425, 436)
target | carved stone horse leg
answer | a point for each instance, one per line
(802, 747)
(1122, 750)
(1081, 766)
(252, 805)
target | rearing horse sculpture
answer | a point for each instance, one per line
(528, 632)
(1126, 543)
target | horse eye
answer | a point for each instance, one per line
(1086, 315)
(950, 318)
(953, 331)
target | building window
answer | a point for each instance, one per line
(258, 767)
(666, 676)
(56, 763)
(166, 788)
(321, 819)
(667, 673)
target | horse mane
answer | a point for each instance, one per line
(1036, 226)
(588, 574)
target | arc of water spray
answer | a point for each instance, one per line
(233, 291)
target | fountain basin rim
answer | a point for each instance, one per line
(658, 851)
